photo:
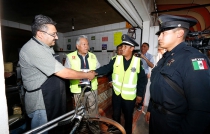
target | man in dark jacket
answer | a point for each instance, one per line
(180, 83)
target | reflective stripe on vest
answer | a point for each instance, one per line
(125, 82)
(132, 75)
(76, 65)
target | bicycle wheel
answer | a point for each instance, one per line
(103, 125)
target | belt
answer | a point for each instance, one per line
(32, 90)
(161, 108)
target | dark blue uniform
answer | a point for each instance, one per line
(185, 114)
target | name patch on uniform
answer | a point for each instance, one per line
(73, 57)
(199, 64)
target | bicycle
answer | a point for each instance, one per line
(103, 125)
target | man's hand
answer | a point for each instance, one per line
(138, 100)
(147, 117)
(143, 57)
(92, 71)
(148, 75)
(91, 75)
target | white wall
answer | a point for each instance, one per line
(98, 33)
(4, 129)
(153, 42)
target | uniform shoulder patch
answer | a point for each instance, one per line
(199, 64)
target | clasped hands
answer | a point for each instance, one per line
(91, 74)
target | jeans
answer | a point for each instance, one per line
(39, 117)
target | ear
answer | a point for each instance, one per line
(77, 47)
(132, 48)
(180, 33)
(39, 34)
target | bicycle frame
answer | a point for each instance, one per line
(75, 116)
(54, 123)
(78, 113)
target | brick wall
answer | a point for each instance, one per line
(104, 95)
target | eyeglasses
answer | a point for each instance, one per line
(53, 35)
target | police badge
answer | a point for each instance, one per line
(133, 69)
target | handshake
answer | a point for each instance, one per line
(91, 74)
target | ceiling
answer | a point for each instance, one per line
(84, 14)
(197, 9)
(81, 13)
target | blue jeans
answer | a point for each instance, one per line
(39, 117)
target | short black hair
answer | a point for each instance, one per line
(146, 43)
(118, 46)
(39, 23)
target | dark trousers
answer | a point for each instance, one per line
(160, 123)
(127, 107)
(145, 88)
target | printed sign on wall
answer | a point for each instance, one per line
(104, 46)
(93, 37)
(104, 39)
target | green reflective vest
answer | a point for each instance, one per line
(76, 65)
(125, 82)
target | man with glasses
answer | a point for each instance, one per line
(43, 74)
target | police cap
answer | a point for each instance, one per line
(168, 22)
(128, 41)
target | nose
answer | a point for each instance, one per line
(56, 36)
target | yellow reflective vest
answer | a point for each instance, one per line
(76, 65)
(125, 82)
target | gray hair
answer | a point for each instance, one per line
(80, 37)
(39, 23)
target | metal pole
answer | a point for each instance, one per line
(53, 121)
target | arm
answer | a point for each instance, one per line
(106, 68)
(110, 79)
(196, 88)
(147, 117)
(150, 61)
(67, 73)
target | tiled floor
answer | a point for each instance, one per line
(139, 124)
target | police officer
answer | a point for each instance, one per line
(180, 89)
(128, 79)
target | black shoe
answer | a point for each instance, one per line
(139, 108)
